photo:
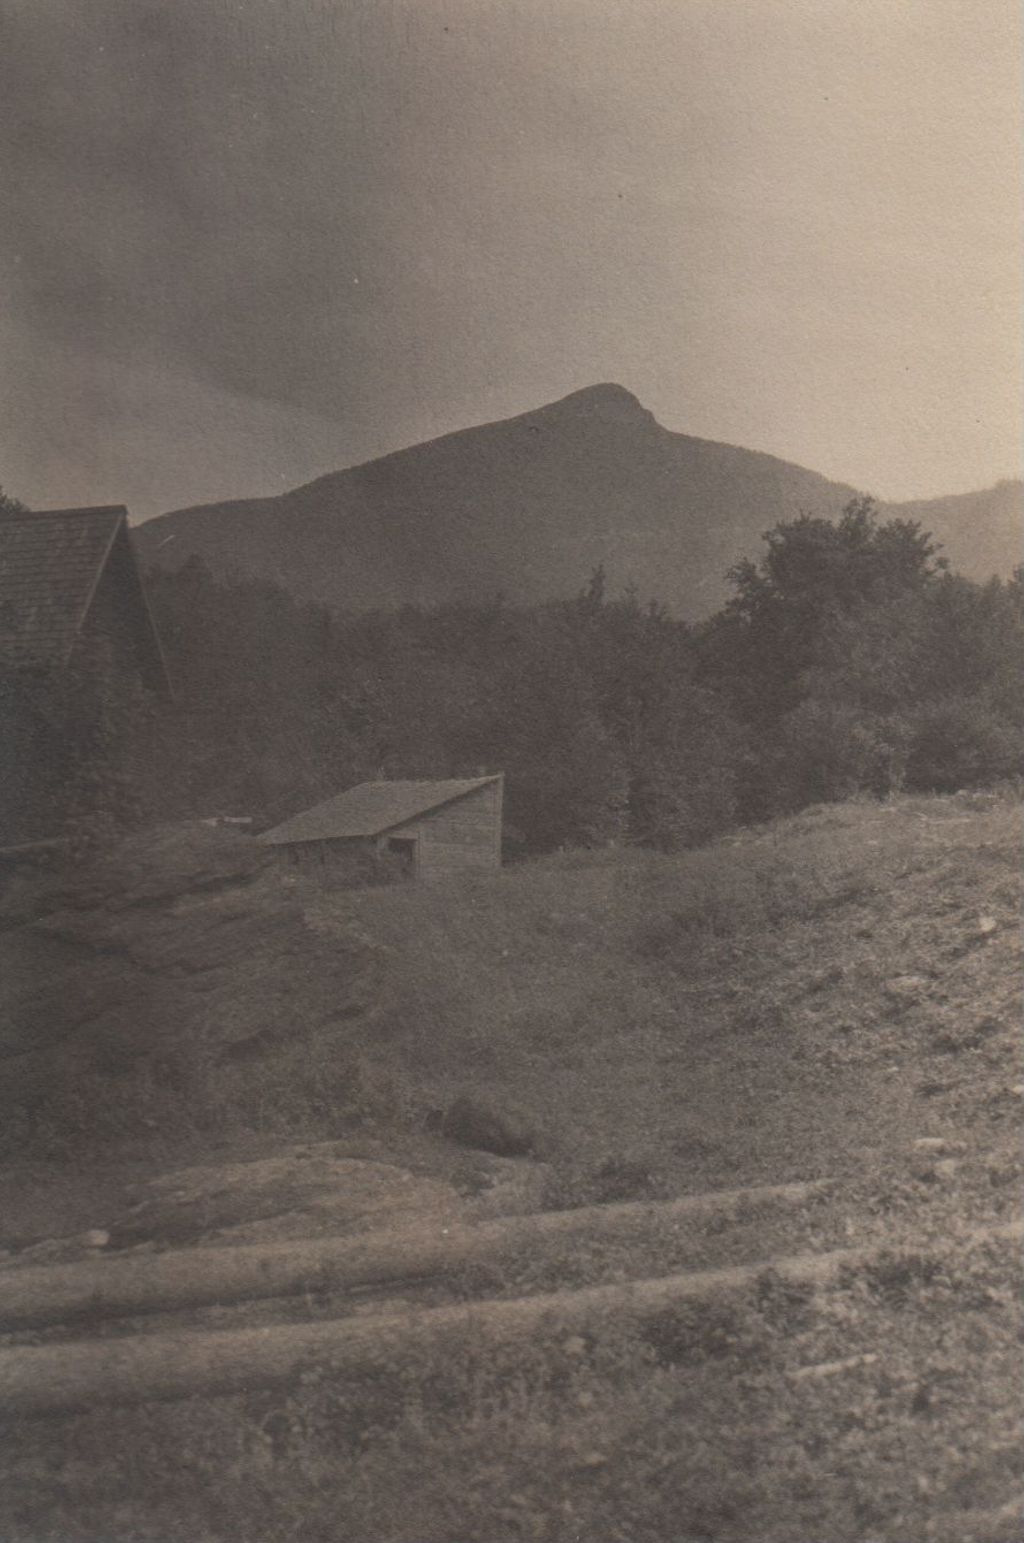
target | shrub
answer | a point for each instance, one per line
(962, 743)
(830, 751)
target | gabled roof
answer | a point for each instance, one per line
(51, 564)
(370, 809)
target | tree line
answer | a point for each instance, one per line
(847, 660)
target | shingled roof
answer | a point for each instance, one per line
(51, 564)
(370, 809)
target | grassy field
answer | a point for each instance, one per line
(799, 1001)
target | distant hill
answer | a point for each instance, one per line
(529, 506)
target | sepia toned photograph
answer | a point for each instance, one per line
(511, 771)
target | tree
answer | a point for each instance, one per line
(817, 653)
(815, 577)
(677, 741)
(9, 505)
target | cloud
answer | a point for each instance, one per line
(271, 196)
(399, 216)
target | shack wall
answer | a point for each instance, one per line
(460, 837)
(348, 862)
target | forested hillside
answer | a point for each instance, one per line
(848, 659)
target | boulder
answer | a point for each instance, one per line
(475, 1120)
(301, 1192)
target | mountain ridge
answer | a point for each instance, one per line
(529, 506)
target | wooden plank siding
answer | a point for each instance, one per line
(460, 837)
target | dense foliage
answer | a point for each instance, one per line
(848, 660)
(589, 706)
(856, 662)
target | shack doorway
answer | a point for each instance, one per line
(402, 852)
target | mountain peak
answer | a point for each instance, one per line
(606, 398)
(528, 506)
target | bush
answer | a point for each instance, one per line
(962, 743)
(832, 751)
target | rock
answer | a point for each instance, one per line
(905, 990)
(172, 940)
(96, 1237)
(940, 1145)
(946, 1168)
(474, 1120)
(304, 1191)
(987, 925)
(504, 1186)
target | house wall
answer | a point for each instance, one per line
(461, 837)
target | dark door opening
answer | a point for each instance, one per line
(402, 851)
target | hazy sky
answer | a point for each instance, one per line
(245, 242)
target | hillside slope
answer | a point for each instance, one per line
(531, 505)
(833, 997)
(730, 1015)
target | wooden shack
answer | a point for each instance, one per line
(419, 830)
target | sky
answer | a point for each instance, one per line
(247, 242)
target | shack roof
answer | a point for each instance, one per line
(370, 809)
(51, 563)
